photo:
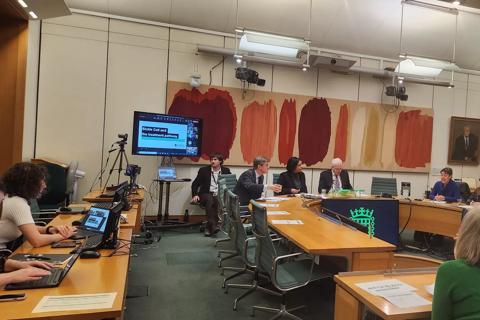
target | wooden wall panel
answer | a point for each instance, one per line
(13, 51)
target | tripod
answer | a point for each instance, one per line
(120, 155)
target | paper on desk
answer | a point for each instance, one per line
(287, 221)
(277, 213)
(75, 302)
(385, 288)
(269, 205)
(273, 199)
(430, 288)
(408, 300)
(439, 202)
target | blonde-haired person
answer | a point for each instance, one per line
(457, 286)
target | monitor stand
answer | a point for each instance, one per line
(164, 221)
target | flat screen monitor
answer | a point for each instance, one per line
(156, 134)
(381, 213)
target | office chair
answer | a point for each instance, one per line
(55, 195)
(245, 247)
(286, 272)
(225, 181)
(384, 186)
(465, 193)
(275, 178)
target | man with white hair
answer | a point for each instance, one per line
(335, 178)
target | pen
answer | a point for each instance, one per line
(36, 256)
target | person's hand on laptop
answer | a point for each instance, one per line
(11, 265)
(27, 274)
(65, 231)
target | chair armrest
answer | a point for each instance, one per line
(291, 255)
(276, 239)
(245, 251)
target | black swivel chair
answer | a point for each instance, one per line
(55, 195)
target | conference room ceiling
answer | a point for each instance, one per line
(370, 27)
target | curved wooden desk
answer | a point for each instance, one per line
(429, 216)
(319, 236)
(87, 276)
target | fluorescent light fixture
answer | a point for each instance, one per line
(33, 15)
(22, 3)
(423, 66)
(456, 3)
(252, 41)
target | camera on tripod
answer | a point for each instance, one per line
(123, 138)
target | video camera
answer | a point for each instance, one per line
(123, 138)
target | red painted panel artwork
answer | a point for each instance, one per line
(217, 110)
(341, 136)
(413, 145)
(288, 128)
(314, 131)
(258, 130)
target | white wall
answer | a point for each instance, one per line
(94, 72)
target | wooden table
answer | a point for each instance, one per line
(319, 236)
(429, 216)
(87, 276)
(351, 301)
(136, 199)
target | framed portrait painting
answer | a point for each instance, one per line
(463, 145)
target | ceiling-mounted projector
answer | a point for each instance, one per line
(249, 75)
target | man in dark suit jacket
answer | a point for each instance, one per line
(466, 146)
(335, 177)
(205, 188)
(250, 183)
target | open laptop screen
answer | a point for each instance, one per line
(96, 219)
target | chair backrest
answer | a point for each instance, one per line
(56, 187)
(239, 232)
(265, 252)
(230, 180)
(464, 190)
(275, 177)
(384, 185)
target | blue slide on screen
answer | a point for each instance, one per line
(162, 135)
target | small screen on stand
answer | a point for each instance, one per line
(166, 135)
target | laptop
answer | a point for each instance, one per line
(94, 223)
(167, 173)
(50, 281)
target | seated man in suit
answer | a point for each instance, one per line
(205, 188)
(466, 146)
(336, 177)
(250, 183)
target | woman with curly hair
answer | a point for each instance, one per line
(21, 182)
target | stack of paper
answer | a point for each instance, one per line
(273, 199)
(396, 292)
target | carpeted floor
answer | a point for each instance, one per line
(181, 277)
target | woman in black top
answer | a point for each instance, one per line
(293, 180)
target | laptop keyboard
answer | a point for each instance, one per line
(102, 205)
(92, 242)
(46, 281)
(85, 233)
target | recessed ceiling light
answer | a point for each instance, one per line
(33, 15)
(22, 3)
